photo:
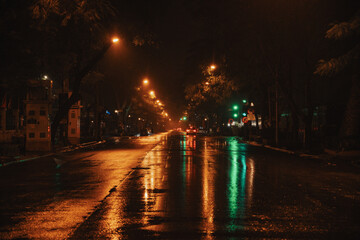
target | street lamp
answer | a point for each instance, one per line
(145, 81)
(115, 40)
(152, 94)
(212, 67)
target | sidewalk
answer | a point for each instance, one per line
(5, 160)
(8, 160)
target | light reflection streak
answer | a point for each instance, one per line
(239, 184)
(233, 176)
(208, 198)
(190, 146)
(250, 184)
(113, 219)
(183, 148)
(152, 179)
(153, 182)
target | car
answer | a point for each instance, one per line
(191, 131)
(202, 131)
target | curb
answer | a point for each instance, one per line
(283, 150)
(24, 160)
(327, 153)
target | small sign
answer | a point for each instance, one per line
(251, 117)
(244, 119)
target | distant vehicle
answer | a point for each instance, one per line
(202, 131)
(191, 131)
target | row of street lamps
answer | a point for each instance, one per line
(152, 94)
(155, 101)
(210, 70)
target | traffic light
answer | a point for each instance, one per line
(244, 101)
(235, 115)
(235, 107)
(244, 114)
(184, 118)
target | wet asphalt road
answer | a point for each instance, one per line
(179, 187)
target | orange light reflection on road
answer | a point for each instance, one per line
(190, 150)
(154, 180)
(208, 194)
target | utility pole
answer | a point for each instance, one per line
(277, 110)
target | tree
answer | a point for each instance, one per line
(348, 60)
(72, 33)
(206, 96)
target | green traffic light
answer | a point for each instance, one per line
(235, 115)
(185, 118)
(235, 107)
(244, 101)
(244, 114)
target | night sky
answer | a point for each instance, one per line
(188, 34)
(169, 41)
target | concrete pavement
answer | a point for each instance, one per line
(5, 160)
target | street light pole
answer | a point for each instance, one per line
(276, 111)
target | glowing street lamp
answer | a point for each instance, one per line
(115, 40)
(152, 94)
(211, 68)
(146, 81)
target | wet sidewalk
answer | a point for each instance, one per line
(352, 157)
(9, 160)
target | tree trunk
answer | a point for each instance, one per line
(349, 131)
(309, 117)
(76, 79)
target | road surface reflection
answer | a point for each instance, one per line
(179, 190)
(178, 186)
